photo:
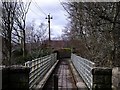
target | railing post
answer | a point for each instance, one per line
(102, 78)
(55, 81)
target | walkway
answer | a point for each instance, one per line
(65, 77)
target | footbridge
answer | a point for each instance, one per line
(74, 73)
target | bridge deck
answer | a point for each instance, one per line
(65, 77)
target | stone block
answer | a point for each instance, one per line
(15, 77)
(101, 87)
(102, 78)
(101, 71)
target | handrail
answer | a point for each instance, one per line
(39, 67)
(84, 68)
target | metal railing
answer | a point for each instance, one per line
(84, 68)
(39, 67)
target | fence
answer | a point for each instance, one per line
(39, 67)
(84, 68)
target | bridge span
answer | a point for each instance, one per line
(52, 73)
(75, 73)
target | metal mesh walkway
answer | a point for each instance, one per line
(65, 77)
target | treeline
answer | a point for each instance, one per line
(13, 28)
(22, 41)
(94, 31)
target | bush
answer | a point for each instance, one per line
(64, 53)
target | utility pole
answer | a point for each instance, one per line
(49, 17)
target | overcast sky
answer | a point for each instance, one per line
(48, 6)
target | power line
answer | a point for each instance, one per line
(64, 7)
(34, 12)
(39, 8)
(67, 10)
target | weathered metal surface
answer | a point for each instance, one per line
(65, 78)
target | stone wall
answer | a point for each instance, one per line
(102, 78)
(15, 78)
(116, 78)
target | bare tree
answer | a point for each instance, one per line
(13, 18)
(96, 26)
(8, 11)
(20, 18)
(35, 35)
